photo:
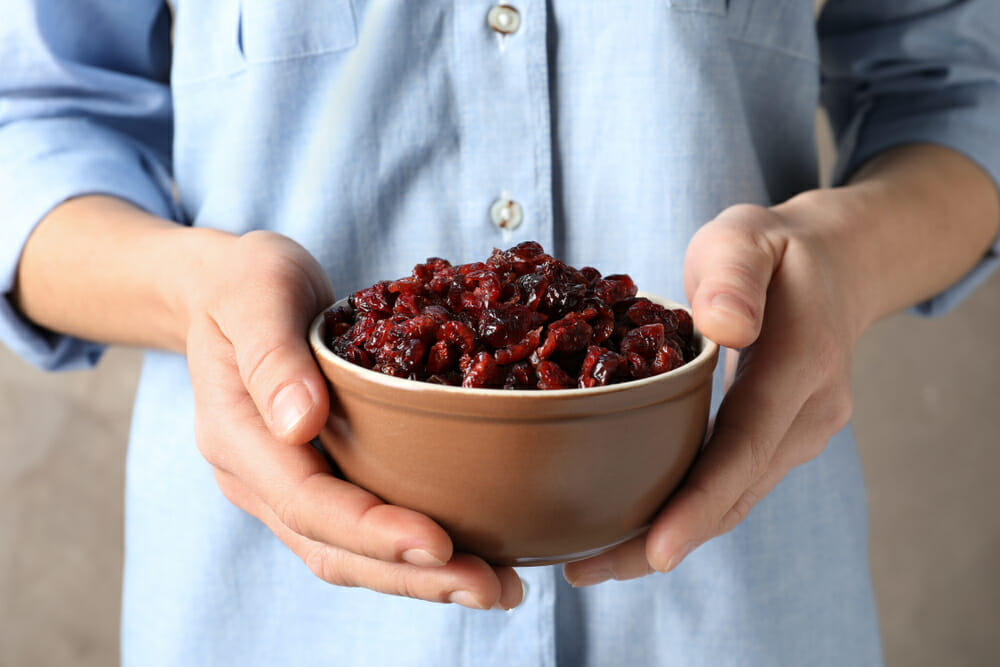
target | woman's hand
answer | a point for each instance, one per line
(260, 399)
(769, 281)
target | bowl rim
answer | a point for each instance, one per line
(708, 353)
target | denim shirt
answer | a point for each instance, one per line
(380, 132)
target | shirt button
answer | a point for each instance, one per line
(506, 214)
(504, 19)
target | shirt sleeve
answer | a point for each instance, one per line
(85, 108)
(906, 71)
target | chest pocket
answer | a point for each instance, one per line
(702, 6)
(271, 31)
(787, 27)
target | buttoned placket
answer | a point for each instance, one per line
(503, 95)
(502, 90)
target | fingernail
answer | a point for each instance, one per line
(730, 304)
(680, 555)
(524, 597)
(421, 558)
(289, 406)
(592, 577)
(466, 599)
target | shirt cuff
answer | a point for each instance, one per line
(42, 164)
(963, 119)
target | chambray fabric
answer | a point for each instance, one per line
(379, 132)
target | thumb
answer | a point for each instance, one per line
(728, 267)
(286, 385)
(268, 328)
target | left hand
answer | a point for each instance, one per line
(776, 283)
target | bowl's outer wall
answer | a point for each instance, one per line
(520, 476)
(510, 490)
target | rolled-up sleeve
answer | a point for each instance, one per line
(85, 108)
(905, 71)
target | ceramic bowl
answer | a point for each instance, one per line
(520, 477)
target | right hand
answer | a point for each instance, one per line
(260, 399)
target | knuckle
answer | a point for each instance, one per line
(738, 512)
(321, 561)
(328, 564)
(841, 410)
(365, 526)
(407, 584)
(260, 236)
(705, 502)
(758, 449)
(745, 216)
(801, 452)
(257, 361)
(231, 489)
(835, 410)
(812, 449)
(207, 443)
(288, 510)
(759, 457)
(753, 225)
(698, 493)
(827, 355)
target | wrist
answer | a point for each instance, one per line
(910, 224)
(837, 225)
(200, 253)
(124, 276)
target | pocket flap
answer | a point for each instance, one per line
(271, 31)
(703, 6)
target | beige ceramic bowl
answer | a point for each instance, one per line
(520, 477)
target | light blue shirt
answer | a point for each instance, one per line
(379, 132)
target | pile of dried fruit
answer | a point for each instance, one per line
(520, 320)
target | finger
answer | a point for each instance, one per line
(269, 334)
(768, 393)
(294, 482)
(465, 579)
(727, 270)
(823, 415)
(626, 561)
(512, 588)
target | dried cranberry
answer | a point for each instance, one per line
(375, 299)
(411, 285)
(644, 340)
(566, 335)
(667, 359)
(338, 320)
(409, 304)
(520, 350)
(426, 271)
(612, 289)
(551, 376)
(458, 333)
(531, 287)
(520, 376)
(600, 366)
(483, 372)
(377, 339)
(504, 324)
(524, 257)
